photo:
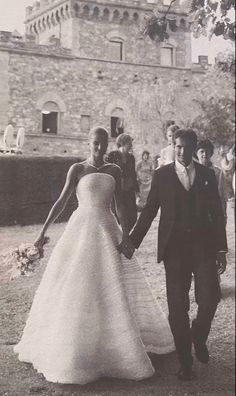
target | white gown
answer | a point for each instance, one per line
(93, 314)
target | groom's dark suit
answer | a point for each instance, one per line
(191, 232)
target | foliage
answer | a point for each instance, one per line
(207, 105)
(158, 22)
(152, 106)
(225, 61)
(206, 17)
(213, 17)
(215, 99)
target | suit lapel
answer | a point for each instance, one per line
(199, 181)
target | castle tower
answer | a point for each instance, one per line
(108, 30)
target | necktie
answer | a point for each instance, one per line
(187, 179)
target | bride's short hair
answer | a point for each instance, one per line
(100, 131)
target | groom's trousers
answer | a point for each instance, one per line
(189, 257)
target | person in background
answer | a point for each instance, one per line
(228, 166)
(204, 153)
(144, 172)
(156, 161)
(168, 153)
(228, 159)
(124, 158)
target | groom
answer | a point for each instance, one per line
(191, 240)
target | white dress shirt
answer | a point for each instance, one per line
(185, 174)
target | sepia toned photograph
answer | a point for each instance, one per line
(117, 197)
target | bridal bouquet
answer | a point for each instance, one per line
(24, 259)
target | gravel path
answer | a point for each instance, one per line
(20, 379)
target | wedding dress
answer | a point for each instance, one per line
(93, 314)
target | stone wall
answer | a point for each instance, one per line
(78, 74)
(85, 26)
(97, 45)
(4, 90)
(94, 43)
(83, 87)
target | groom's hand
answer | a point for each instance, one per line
(221, 262)
(126, 247)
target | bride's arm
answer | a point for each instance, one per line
(126, 245)
(59, 205)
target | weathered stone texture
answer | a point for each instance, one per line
(4, 89)
(76, 72)
(83, 91)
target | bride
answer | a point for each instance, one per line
(93, 314)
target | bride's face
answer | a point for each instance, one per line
(98, 145)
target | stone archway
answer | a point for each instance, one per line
(51, 108)
(50, 115)
(114, 104)
(51, 97)
(117, 113)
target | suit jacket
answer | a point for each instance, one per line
(162, 195)
(128, 174)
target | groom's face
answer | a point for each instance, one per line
(184, 150)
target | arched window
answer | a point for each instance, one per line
(117, 122)
(76, 10)
(86, 10)
(57, 16)
(106, 14)
(96, 12)
(116, 15)
(125, 16)
(50, 118)
(135, 16)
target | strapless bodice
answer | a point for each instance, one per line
(95, 190)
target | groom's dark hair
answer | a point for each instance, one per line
(187, 134)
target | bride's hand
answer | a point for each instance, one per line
(40, 242)
(126, 247)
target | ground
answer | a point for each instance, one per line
(20, 379)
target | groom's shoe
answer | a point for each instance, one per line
(185, 373)
(199, 343)
(201, 351)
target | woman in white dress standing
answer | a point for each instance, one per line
(93, 314)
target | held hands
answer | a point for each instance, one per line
(126, 247)
(221, 262)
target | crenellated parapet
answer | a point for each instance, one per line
(106, 12)
(123, 12)
(46, 14)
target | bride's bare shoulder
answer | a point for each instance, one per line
(76, 170)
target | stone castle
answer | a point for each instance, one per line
(84, 63)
